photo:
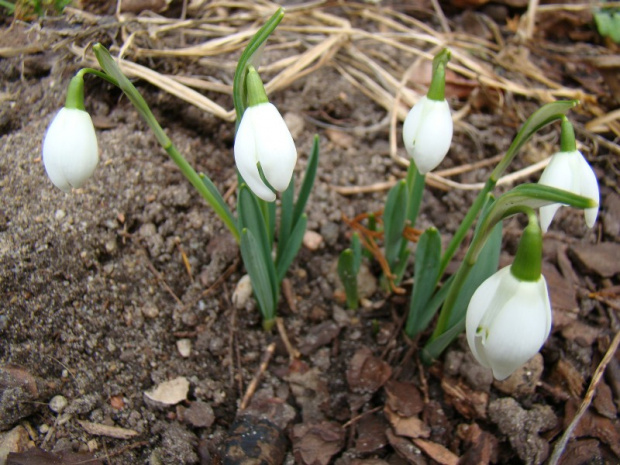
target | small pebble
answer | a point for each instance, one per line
(242, 292)
(58, 403)
(312, 240)
(184, 346)
(60, 214)
(150, 311)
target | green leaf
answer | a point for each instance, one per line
(251, 218)
(435, 347)
(218, 199)
(394, 216)
(308, 181)
(415, 191)
(427, 258)
(289, 252)
(485, 266)
(356, 247)
(260, 275)
(286, 215)
(348, 276)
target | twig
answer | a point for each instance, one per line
(161, 279)
(598, 374)
(257, 376)
(292, 352)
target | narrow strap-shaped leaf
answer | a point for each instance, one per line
(348, 277)
(242, 65)
(259, 273)
(251, 218)
(308, 182)
(415, 191)
(454, 317)
(271, 221)
(289, 252)
(427, 258)
(356, 247)
(394, 216)
(485, 266)
(436, 346)
(217, 197)
(286, 215)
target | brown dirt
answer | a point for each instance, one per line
(95, 293)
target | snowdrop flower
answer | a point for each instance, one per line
(427, 133)
(508, 321)
(509, 316)
(569, 170)
(70, 152)
(264, 140)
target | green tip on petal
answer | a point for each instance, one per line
(255, 89)
(75, 93)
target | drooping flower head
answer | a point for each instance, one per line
(70, 153)
(264, 146)
(428, 127)
(509, 316)
(569, 170)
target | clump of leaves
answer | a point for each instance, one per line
(31, 9)
(608, 23)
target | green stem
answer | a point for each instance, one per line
(521, 199)
(527, 265)
(117, 77)
(437, 89)
(567, 136)
(540, 118)
(239, 91)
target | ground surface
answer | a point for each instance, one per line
(127, 283)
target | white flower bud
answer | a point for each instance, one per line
(262, 137)
(571, 172)
(427, 133)
(70, 152)
(508, 321)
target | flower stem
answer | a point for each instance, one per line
(116, 76)
(437, 89)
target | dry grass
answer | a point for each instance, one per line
(310, 37)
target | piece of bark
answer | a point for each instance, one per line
(411, 427)
(403, 398)
(367, 373)
(316, 444)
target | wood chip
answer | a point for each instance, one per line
(170, 392)
(99, 429)
(411, 427)
(437, 452)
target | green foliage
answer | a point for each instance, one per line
(608, 23)
(31, 9)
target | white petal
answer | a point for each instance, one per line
(427, 133)
(589, 188)
(275, 146)
(478, 307)
(246, 158)
(70, 152)
(520, 329)
(560, 174)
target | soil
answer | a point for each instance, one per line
(127, 283)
